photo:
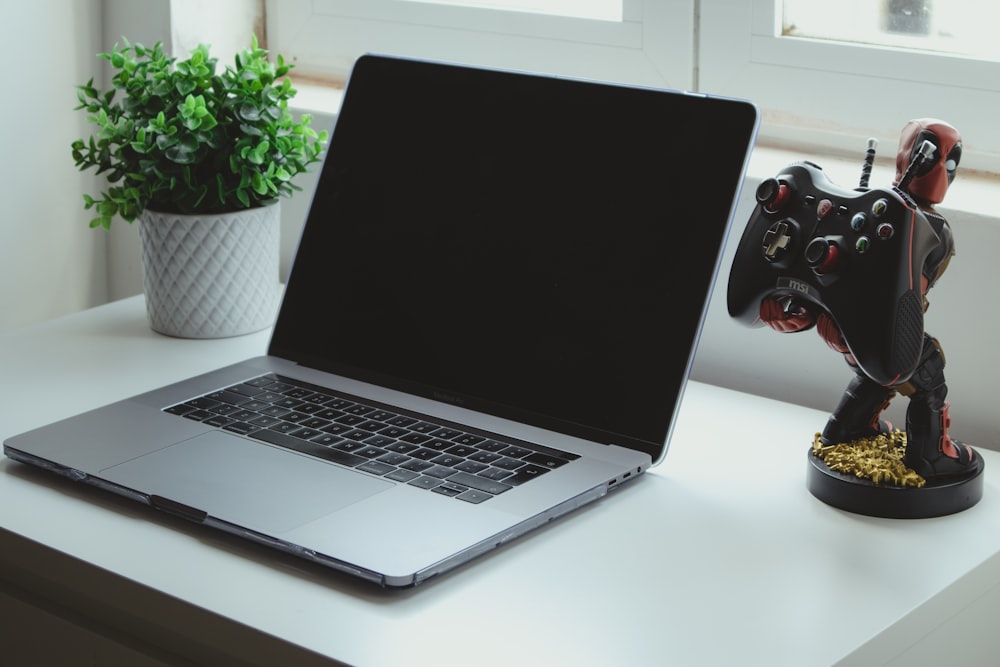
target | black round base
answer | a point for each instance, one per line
(862, 496)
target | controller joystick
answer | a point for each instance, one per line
(772, 194)
(856, 254)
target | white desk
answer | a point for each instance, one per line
(718, 557)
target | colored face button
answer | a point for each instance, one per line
(885, 231)
(824, 208)
(858, 221)
(862, 245)
(880, 207)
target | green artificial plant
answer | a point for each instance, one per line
(177, 137)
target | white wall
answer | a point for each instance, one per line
(51, 262)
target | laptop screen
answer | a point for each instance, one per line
(535, 248)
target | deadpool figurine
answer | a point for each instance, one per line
(930, 451)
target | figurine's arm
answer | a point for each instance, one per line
(786, 314)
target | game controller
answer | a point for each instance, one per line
(857, 254)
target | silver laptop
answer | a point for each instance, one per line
(489, 323)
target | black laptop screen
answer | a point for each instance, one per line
(536, 248)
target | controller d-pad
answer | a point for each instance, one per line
(777, 240)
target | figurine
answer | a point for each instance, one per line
(857, 265)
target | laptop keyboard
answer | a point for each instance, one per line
(405, 447)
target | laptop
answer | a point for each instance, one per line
(489, 323)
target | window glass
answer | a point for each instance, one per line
(955, 26)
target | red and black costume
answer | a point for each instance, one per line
(930, 450)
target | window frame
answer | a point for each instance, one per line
(654, 45)
(831, 96)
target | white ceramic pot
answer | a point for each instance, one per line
(211, 276)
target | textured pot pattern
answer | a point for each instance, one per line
(211, 276)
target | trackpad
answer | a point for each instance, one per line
(245, 482)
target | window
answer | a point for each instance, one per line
(956, 27)
(648, 43)
(832, 95)
(818, 91)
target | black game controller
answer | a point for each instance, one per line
(857, 254)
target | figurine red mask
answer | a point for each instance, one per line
(931, 181)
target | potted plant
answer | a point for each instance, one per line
(200, 158)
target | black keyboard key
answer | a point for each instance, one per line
(525, 474)
(393, 432)
(298, 393)
(337, 429)
(484, 457)
(203, 403)
(422, 427)
(446, 433)
(370, 452)
(471, 467)
(461, 450)
(245, 389)
(441, 472)
(199, 415)
(447, 460)
(243, 428)
(495, 474)
(508, 464)
(217, 421)
(180, 410)
(479, 483)
(545, 460)
(254, 405)
(491, 446)
(402, 475)
(415, 438)
(402, 421)
(393, 459)
(351, 420)
(229, 397)
(379, 441)
(306, 447)
(306, 433)
(425, 482)
(357, 434)
(467, 439)
(447, 489)
(401, 447)
(261, 381)
(327, 440)
(376, 467)
(515, 452)
(339, 404)
(381, 415)
(417, 465)
(474, 496)
(436, 443)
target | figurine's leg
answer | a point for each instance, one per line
(930, 451)
(857, 415)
